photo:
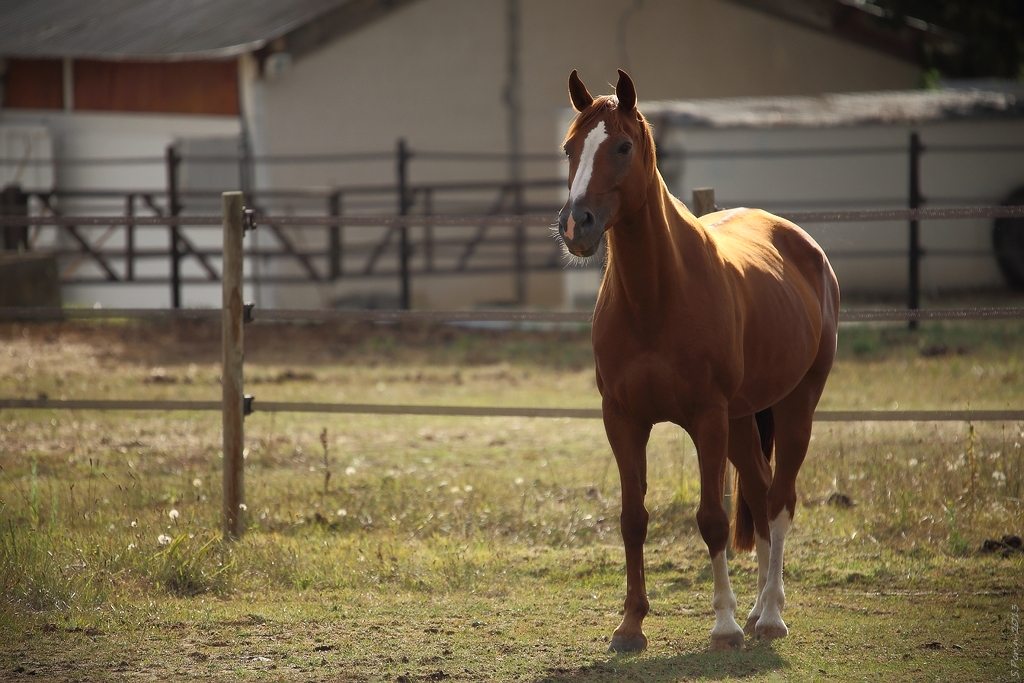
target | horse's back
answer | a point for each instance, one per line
(770, 253)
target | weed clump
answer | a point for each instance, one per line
(191, 565)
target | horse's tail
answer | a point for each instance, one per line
(743, 538)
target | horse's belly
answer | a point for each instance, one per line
(761, 389)
(776, 359)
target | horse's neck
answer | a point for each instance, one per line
(652, 252)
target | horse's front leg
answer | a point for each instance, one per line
(628, 440)
(711, 436)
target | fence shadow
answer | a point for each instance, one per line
(714, 666)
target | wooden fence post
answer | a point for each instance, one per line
(703, 200)
(704, 203)
(231, 364)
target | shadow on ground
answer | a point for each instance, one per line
(712, 666)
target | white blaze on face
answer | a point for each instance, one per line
(595, 137)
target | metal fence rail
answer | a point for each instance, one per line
(534, 200)
(396, 246)
(401, 246)
(841, 216)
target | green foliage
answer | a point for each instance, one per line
(33, 492)
(933, 339)
(957, 543)
(29, 576)
(990, 35)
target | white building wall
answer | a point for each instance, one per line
(78, 136)
(435, 73)
(861, 181)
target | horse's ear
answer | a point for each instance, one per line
(626, 92)
(578, 93)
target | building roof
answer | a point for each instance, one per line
(862, 22)
(211, 29)
(168, 29)
(832, 110)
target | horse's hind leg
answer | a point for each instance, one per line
(763, 547)
(754, 477)
(794, 417)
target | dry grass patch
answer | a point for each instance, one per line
(483, 548)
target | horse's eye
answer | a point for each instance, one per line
(625, 147)
(566, 150)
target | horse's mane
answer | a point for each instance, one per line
(616, 125)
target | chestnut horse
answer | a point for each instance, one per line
(725, 325)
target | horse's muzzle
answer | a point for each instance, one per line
(580, 230)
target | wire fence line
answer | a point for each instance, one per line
(214, 221)
(326, 158)
(401, 316)
(502, 316)
(838, 216)
(479, 411)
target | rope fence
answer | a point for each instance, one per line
(234, 406)
(290, 315)
(480, 411)
(450, 317)
(442, 317)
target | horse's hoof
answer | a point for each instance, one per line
(751, 624)
(727, 643)
(771, 631)
(620, 643)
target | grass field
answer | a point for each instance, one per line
(426, 549)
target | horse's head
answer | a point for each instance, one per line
(610, 154)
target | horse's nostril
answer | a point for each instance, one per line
(578, 222)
